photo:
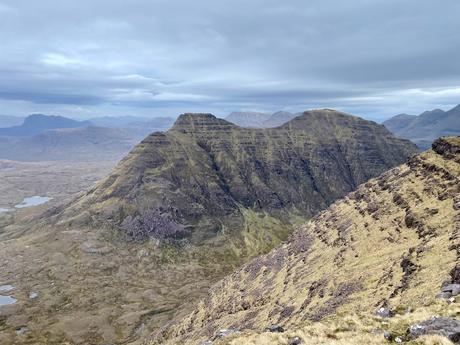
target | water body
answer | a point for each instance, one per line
(33, 201)
(7, 300)
(6, 288)
(3, 210)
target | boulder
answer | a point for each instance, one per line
(444, 295)
(385, 312)
(388, 336)
(274, 329)
(295, 341)
(449, 328)
(226, 332)
(454, 289)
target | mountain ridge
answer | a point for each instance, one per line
(423, 129)
(37, 123)
(219, 166)
(68, 144)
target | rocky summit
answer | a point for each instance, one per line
(379, 265)
(203, 173)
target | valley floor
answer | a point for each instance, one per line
(57, 180)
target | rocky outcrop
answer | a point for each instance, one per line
(448, 328)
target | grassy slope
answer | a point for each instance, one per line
(388, 243)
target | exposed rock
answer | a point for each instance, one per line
(385, 312)
(274, 329)
(21, 330)
(399, 340)
(33, 295)
(444, 295)
(225, 333)
(445, 147)
(388, 336)
(295, 341)
(449, 328)
(454, 289)
(90, 247)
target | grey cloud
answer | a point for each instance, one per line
(374, 57)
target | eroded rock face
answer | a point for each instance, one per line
(446, 327)
(204, 170)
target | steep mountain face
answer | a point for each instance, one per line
(204, 171)
(72, 144)
(393, 243)
(249, 119)
(36, 124)
(426, 127)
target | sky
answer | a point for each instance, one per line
(372, 58)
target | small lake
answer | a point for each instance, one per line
(7, 300)
(6, 288)
(33, 201)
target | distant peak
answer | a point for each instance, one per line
(326, 112)
(456, 108)
(432, 112)
(190, 122)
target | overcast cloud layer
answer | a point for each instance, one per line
(374, 58)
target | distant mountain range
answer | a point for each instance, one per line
(36, 124)
(68, 144)
(426, 127)
(137, 126)
(52, 138)
(251, 119)
(9, 121)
